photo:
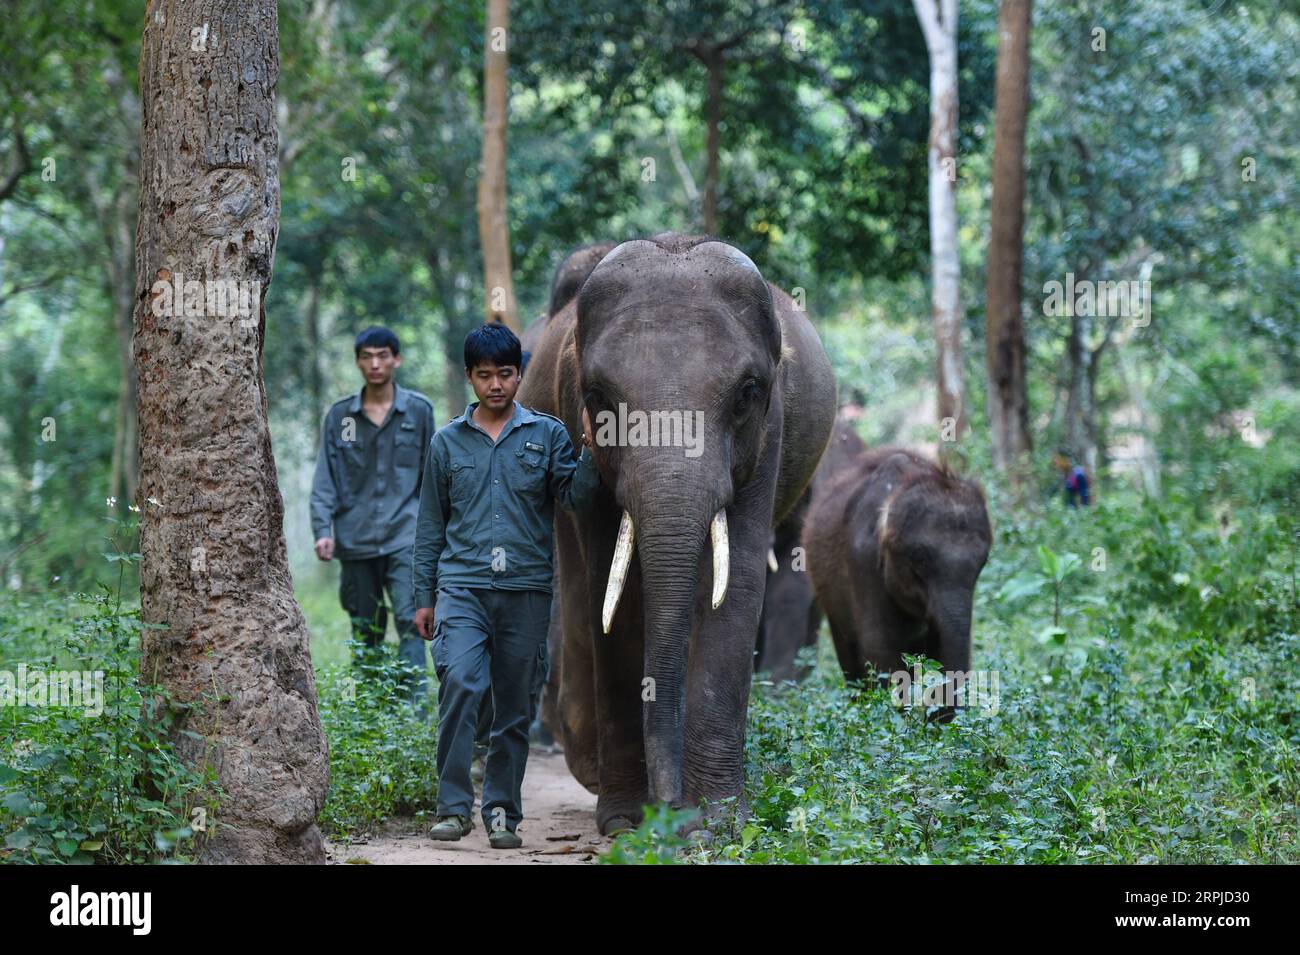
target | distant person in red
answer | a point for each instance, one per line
(1073, 478)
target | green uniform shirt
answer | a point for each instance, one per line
(487, 510)
(368, 478)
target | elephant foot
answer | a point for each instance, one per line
(613, 827)
(718, 817)
(615, 817)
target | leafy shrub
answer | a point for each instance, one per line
(382, 753)
(79, 787)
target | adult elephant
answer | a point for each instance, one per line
(790, 622)
(662, 580)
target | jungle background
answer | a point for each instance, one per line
(1147, 645)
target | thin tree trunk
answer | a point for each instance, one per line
(232, 646)
(1080, 421)
(494, 231)
(714, 65)
(939, 23)
(1008, 402)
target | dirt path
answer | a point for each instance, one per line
(559, 827)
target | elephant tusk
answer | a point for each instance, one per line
(617, 571)
(721, 558)
(772, 565)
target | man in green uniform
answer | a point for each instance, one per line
(364, 500)
(483, 553)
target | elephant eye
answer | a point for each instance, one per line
(747, 394)
(595, 399)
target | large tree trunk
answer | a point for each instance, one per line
(233, 646)
(939, 23)
(1008, 402)
(494, 232)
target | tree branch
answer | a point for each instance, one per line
(22, 165)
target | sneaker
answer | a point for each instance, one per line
(504, 839)
(451, 828)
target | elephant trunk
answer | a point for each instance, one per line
(951, 611)
(670, 518)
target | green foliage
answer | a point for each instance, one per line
(382, 753)
(657, 841)
(100, 782)
(1173, 738)
(79, 788)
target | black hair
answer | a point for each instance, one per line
(376, 336)
(494, 344)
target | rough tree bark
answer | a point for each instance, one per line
(494, 231)
(1008, 402)
(233, 645)
(939, 24)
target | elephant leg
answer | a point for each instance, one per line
(785, 605)
(812, 628)
(720, 672)
(845, 639)
(784, 624)
(619, 664)
(576, 703)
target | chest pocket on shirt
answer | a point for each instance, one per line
(353, 456)
(530, 471)
(462, 479)
(407, 449)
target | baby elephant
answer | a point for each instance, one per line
(894, 547)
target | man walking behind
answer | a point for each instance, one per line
(364, 500)
(483, 555)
